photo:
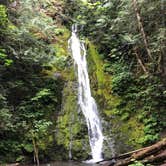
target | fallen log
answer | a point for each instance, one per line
(155, 153)
(150, 150)
(158, 158)
(121, 156)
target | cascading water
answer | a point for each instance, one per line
(85, 100)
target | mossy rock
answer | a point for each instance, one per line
(123, 130)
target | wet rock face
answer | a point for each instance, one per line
(121, 134)
(71, 130)
(71, 126)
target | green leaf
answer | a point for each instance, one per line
(42, 93)
(8, 62)
(20, 158)
(28, 147)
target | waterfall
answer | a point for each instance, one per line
(85, 100)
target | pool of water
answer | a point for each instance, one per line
(60, 163)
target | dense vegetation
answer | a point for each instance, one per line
(125, 42)
(129, 36)
(30, 88)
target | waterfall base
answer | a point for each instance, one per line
(92, 161)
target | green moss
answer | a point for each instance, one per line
(100, 81)
(71, 124)
(61, 45)
(134, 130)
(125, 126)
(98, 64)
(65, 120)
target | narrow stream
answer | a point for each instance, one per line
(85, 100)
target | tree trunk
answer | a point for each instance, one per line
(140, 61)
(140, 24)
(36, 152)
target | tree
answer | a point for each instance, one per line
(140, 24)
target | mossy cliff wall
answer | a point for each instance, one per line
(122, 133)
(71, 127)
(71, 131)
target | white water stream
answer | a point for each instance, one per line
(85, 99)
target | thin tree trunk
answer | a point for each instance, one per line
(140, 24)
(159, 63)
(36, 152)
(140, 61)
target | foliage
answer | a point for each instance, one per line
(29, 98)
(136, 79)
(140, 95)
(3, 16)
(137, 163)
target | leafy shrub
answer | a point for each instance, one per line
(3, 17)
